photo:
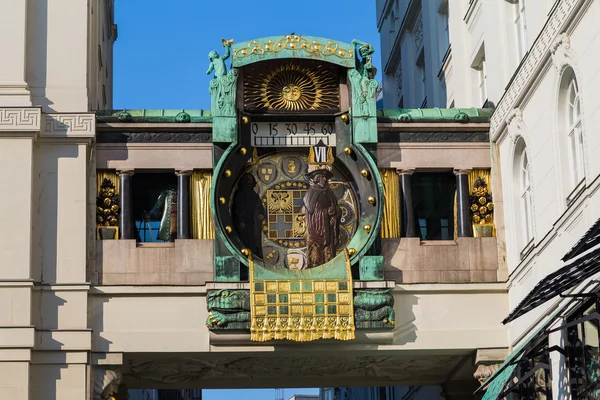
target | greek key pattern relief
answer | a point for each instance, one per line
(19, 119)
(538, 53)
(70, 124)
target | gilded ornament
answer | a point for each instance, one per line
(222, 200)
(482, 210)
(482, 200)
(348, 150)
(114, 208)
(367, 228)
(345, 118)
(364, 173)
(100, 219)
(243, 151)
(490, 206)
(474, 207)
(488, 218)
(107, 202)
(294, 42)
(228, 229)
(476, 219)
(371, 200)
(351, 252)
(99, 210)
(245, 119)
(292, 87)
(227, 173)
(246, 252)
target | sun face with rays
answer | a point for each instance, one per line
(292, 87)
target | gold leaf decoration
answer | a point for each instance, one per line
(288, 86)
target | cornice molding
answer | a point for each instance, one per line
(536, 58)
(20, 119)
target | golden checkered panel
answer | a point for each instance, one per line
(302, 310)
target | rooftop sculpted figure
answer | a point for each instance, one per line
(364, 65)
(217, 62)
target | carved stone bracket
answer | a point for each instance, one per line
(560, 50)
(106, 383)
(515, 123)
(484, 372)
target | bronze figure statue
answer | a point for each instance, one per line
(322, 218)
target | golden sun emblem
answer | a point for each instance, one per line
(292, 87)
(291, 93)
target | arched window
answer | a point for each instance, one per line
(524, 196)
(571, 109)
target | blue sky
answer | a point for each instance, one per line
(254, 394)
(160, 57)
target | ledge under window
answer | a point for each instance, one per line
(575, 193)
(527, 249)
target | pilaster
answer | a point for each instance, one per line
(13, 47)
(19, 128)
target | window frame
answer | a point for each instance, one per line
(523, 195)
(520, 21)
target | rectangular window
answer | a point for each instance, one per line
(154, 208)
(479, 76)
(521, 28)
(420, 91)
(433, 201)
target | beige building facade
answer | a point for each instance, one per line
(86, 318)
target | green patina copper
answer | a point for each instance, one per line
(374, 308)
(364, 94)
(293, 46)
(153, 116)
(444, 115)
(228, 309)
(223, 89)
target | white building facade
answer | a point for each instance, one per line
(537, 64)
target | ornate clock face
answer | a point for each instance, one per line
(291, 217)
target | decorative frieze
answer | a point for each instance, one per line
(433, 137)
(69, 125)
(154, 137)
(20, 119)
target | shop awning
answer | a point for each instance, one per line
(576, 270)
(496, 384)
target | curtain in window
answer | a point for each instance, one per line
(483, 228)
(390, 223)
(202, 223)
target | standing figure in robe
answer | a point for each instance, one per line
(322, 218)
(248, 215)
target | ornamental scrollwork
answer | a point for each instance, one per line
(294, 42)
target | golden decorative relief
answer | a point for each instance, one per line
(301, 310)
(294, 42)
(290, 86)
